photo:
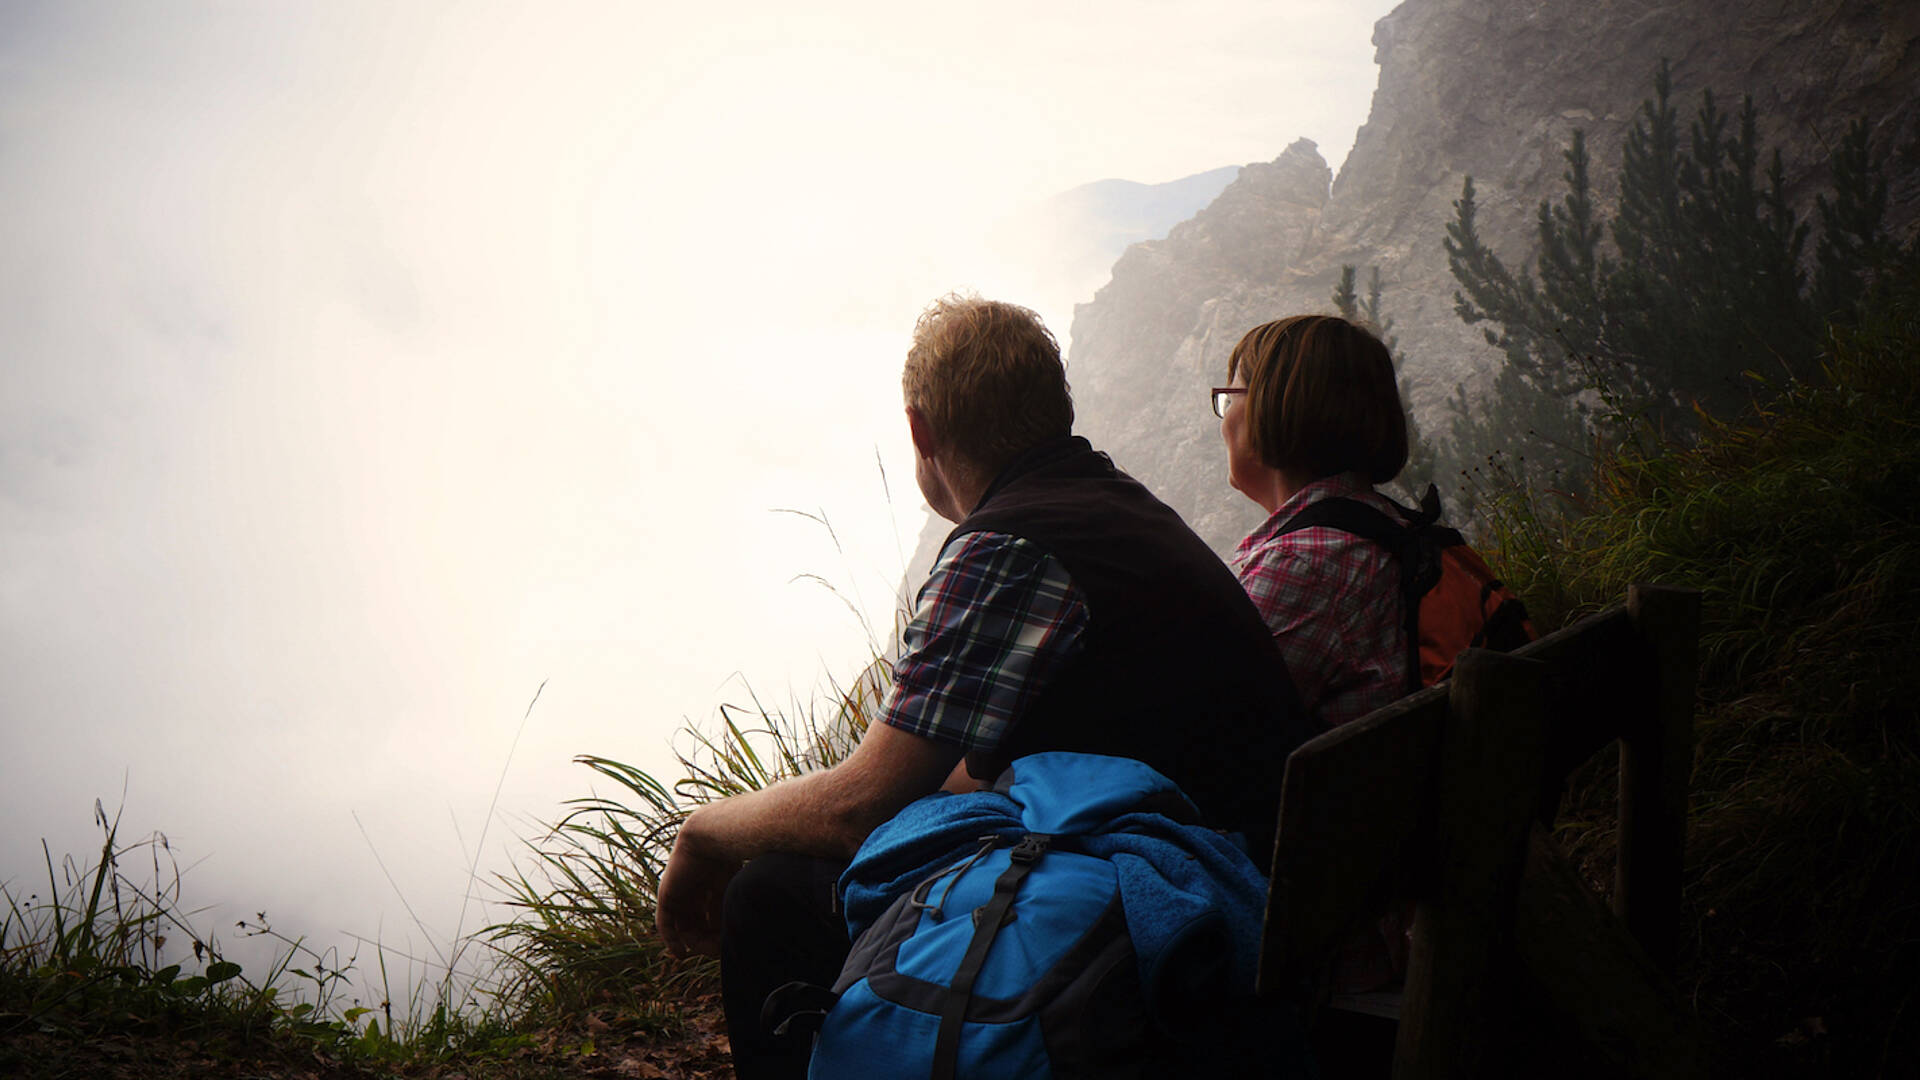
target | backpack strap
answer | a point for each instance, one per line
(796, 1007)
(1349, 516)
(1507, 628)
(1402, 541)
(987, 920)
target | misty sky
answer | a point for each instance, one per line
(364, 365)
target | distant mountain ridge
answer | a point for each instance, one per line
(1066, 244)
(1119, 213)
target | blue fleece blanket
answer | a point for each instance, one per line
(1186, 889)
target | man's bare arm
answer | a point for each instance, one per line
(826, 814)
(960, 781)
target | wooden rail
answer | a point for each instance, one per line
(1441, 798)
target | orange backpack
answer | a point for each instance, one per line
(1450, 597)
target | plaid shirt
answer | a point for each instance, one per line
(1332, 601)
(991, 626)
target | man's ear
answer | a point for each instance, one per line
(924, 443)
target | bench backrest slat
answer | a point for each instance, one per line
(1355, 800)
(1362, 809)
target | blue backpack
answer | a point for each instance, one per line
(1077, 920)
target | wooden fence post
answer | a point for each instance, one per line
(1656, 762)
(1491, 759)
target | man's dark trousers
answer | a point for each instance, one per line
(780, 924)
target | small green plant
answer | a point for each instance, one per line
(96, 952)
(107, 952)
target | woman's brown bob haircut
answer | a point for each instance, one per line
(988, 378)
(1321, 398)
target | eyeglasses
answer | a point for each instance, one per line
(1222, 395)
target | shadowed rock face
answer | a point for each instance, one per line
(1491, 88)
(1153, 340)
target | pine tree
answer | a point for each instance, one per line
(1534, 396)
(1851, 234)
(1423, 465)
(1704, 281)
(1708, 283)
(1345, 299)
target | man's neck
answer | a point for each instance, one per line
(961, 488)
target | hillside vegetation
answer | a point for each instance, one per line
(1801, 525)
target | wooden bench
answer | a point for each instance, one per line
(1445, 797)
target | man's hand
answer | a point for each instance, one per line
(692, 889)
(824, 814)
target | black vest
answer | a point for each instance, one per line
(1176, 667)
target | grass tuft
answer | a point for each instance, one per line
(109, 950)
(582, 940)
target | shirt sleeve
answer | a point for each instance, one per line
(992, 625)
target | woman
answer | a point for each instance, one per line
(1311, 411)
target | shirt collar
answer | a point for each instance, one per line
(1339, 485)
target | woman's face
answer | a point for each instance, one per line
(1243, 464)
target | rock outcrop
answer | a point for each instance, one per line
(1488, 88)
(1145, 350)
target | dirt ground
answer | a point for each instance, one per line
(700, 1054)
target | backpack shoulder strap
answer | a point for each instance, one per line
(1401, 541)
(987, 922)
(1359, 519)
(1349, 516)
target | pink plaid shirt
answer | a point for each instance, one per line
(1332, 601)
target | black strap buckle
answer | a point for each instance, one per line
(1030, 848)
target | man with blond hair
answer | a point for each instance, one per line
(1068, 610)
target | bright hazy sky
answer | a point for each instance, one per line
(364, 365)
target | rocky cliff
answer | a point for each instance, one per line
(1488, 88)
